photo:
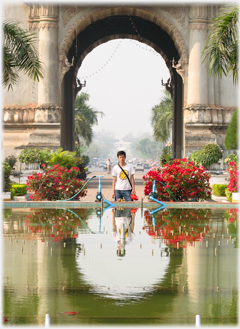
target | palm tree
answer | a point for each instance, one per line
(85, 118)
(161, 118)
(221, 48)
(19, 54)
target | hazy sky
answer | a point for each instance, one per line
(126, 88)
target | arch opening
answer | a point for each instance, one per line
(121, 27)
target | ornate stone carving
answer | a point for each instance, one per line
(168, 86)
(179, 68)
(207, 114)
(79, 86)
(66, 66)
(154, 16)
(47, 11)
(198, 11)
(43, 16)
(67, 12)
(47, 115)
(42, 114)
(198, 26)
(178, 13)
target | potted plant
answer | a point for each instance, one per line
(11, 160)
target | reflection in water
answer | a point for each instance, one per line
(123, 225)
(120, 278)
(58, 224)
(177, 263)
(178, 227)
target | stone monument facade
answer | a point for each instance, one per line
(41, 114)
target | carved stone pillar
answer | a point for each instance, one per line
(45, 19)
(198, 75)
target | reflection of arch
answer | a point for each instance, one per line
(107, 24)
(139, 305)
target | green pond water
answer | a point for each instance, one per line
(120, 267)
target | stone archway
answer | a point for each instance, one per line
(104, 25)
(35, 112)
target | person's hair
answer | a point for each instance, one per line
(121, 153)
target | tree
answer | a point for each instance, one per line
(161, 118)
(85, 118)
(146, 148)
(231, 139)
(221, 48)
(102, 145)
(19, 54)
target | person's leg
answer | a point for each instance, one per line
(118, 195)
(127, 195)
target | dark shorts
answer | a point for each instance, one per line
(120, 194)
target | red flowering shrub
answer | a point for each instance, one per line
(179, 181)
(234, 176)
(56, 183)
(57, 224)
(181, 226)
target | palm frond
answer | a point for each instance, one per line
(20, 54)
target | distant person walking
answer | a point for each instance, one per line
(123, 184)
(109, 166)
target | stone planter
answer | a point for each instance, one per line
(235, 197)
(6, 196)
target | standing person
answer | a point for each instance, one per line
(123, 184)
(109, 165)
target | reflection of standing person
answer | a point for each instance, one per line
(123, 179)
(109, 165)
(123, 225)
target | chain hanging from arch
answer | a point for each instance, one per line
(114, 52)
(76, 31)
(103, 66)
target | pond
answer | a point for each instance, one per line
(120, 266)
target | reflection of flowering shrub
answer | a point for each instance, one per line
(178, 225)
(55, 223)
(182, 179)
(233, 172)
(231, 216)
(56, 183)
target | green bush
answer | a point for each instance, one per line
(228, 195)
(197, 157)
(6, 168)
(219, 189)
(211, 154)
(44, 156)
(13, 193)
(166, 155)
(65, 159)
(85, 160)
(231, 157)
(231, 139)
(29, 155)
(20, 189)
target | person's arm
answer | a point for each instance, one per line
(133, 184)
(113, 186)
